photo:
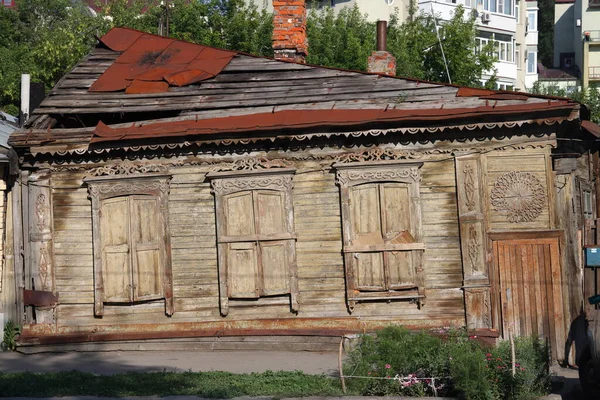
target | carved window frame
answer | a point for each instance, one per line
(107, 187)
(350, 175)
(230, 182)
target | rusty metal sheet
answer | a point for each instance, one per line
(187, 77)
(505, 96)
(120, 77)
(147, 87)
(145, 50)
(154, 58)
(591, 127)
(39, 298)
(120, 39)
(302, 119)
(473, 92)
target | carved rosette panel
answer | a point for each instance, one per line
(229, 185)
(520, 196)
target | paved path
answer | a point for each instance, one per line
(107, 363)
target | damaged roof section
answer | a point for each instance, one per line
(136, 88)
(151, 64)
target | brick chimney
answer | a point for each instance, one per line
(381, 61)
(289, 30)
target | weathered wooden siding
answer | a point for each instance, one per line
(319, 258)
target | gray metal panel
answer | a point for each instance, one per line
(8, 124)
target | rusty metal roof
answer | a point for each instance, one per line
(135, 89)
(150, 63)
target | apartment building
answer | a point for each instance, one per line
(512, 24)
(376, 10)
(577, 38)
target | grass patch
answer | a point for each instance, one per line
(202, 384)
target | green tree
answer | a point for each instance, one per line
(43, 38)
(344, 40)
(589, 96)
(417, 48)
(546, 32)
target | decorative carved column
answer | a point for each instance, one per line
(41, 248)
(471, 211)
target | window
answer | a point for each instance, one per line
(531, 62)
(503, 45)
(381, 219)
(587, 199)
(497, 6)
(517, 16)
(518, 55)
(131, 241)
(532, 20)
(256, 239)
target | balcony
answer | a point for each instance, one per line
(594, 36)
(594, 73)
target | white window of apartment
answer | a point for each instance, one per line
(517, 12)
(469, 3)
(518, 55)
(497, 6)
(532, 20)
(531, 62)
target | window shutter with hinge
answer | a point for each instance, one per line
(146, 251)
(366, 224)
(396, 228)
(116, 268)
(242, 255)
(270, 220)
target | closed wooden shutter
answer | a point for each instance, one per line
(242, 255)
(145, 243)
(116, 271)
(242, 272)
(396, 229)
(270, 220)
(366, 221)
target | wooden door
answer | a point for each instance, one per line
(529, 289)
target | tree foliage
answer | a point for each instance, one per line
(417, 48)
(546, 32)
(589, 96)
(48, 37)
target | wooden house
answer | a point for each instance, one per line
(172, 190)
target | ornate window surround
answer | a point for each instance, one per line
(106, 187)
(227, 182)
(353, 174)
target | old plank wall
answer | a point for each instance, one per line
(319, 259)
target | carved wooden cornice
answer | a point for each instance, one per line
(127, 169)
(252, 164)
(258, 163)
(274, 182)
(121, 186)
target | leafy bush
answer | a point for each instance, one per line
(9, 341)
(459, 365)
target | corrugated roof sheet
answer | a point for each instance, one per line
(8, 124)
(150, 63)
